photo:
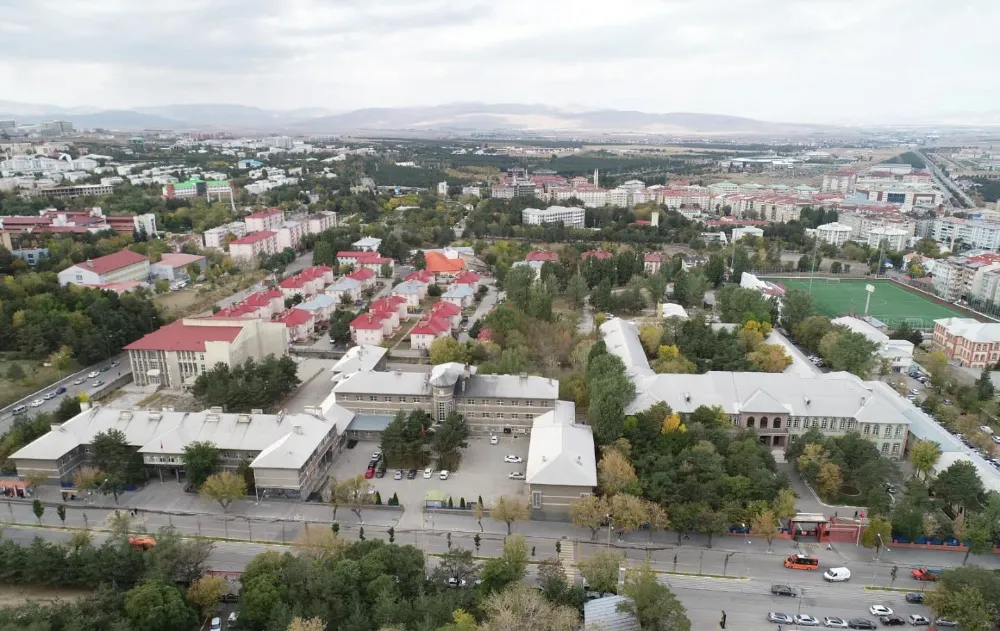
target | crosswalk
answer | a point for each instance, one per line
(567, 554)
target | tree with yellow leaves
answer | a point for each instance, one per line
(650, 338)
(614, 472)
(669, 360)
(672, 423)
(770, 358)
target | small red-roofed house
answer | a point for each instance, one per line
(600, 255)
(364, 276)
(428, 330)
(471, 279)
(448, 311)
(652, 262)
(300, 324)
(368, 328)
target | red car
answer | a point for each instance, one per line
(370, 473)
(923, 574)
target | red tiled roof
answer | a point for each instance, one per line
(446, 308)
(178, 336)
(467, 278)
(421, 276)
(654, 257)
(236, 311)
(597, 254)
(388, 303)
(356, 254)
(368, 321)
(180, 259)
(541, 255)
(254, 237)
(431, 326)
(294, 282)
(263, 298)
(362, 274)
(112, 262)
(439, 263)
(294, 317)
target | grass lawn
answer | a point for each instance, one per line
(889, 303)
(36, 377)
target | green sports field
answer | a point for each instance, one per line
(890, 303)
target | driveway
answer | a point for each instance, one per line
(485, 306)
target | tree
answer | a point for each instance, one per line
(615, 473)
(682, 288)
(924, 456)
(849, 351)
(68, 408)
(457, 564)
(204, 593)
(984, 386)
(522, 608)
(450, 436)
(739, 304)
(37, 509)
(770, 358)
(590, 511)
(576, 291)
(252, 384)
(652, 603)
(978, 536)
(201, 459)
(712, 522)
(877, 533)
(715, 270)
(810, 332)
(61, 512)
(601, 570)
(224, 487)
(958, 485)
(120, 462)
(966, 595)
(499, 572)
(509, 510)
(33, 478)
(86, 478)
(448, 349)
(155, 606)
(161, 286)
(304, 624)
(829, 480)
(796, 306)
(937, 367)
(784, 504)
(355, 494)
(766, 524)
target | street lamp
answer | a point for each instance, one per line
(609, 530)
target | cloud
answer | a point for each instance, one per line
(815, 61)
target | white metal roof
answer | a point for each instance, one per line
(361, 357)
(971, 329)
(857, 325)
(561, 452)
(389, 382)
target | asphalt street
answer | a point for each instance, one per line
(746, 598)
(124, 367)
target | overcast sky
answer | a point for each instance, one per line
(782, 60)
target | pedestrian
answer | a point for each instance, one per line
(532, 550)
(855, 514)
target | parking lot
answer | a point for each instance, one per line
(483, 472)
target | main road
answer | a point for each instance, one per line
(745, 597)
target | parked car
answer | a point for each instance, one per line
(777, 590)
(494, 440)
(780, 618)
(398, 475)
(369, 473)
(380, 471)
(229, 598)
(861, 623)
(915, 597)
(233, 616)
(516, 475)
(879, 610)
(428, 473)
(37, 403)
(444, 474)
(92, 374)
(216, 624)
(945, 622)
(892, 621)
(513, 459)
(19, 409)
(805, 620)
(833, 622)
(917, 620)
(377, 456)
(411, 474)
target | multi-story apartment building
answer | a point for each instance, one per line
(779, 407)
(290, 234)
(652, 262)
(253, 245)
(842, 181)
(863, 220)
(216, 237)
(321, 221)
(175, 354)
(684, 198)
(289, 454)
(270, 219)
(569, 216)
(893, 239)
(197, 187)
(773, 208)
(836, 233)
(967, 341)
(122, 266)
(68, 192)
(978, 234)
(963, 276)
(490, 403)
(907, 190)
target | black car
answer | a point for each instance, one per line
(782, 590)
(861, 623)
(229, 598)
(893, 621)
(915, 597)
(412, 473)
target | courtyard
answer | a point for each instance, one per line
(482, 473)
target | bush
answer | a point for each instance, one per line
(451, 504)
(394, 500)
(378, 499)
(461, 503)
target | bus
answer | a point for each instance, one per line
(802, 562)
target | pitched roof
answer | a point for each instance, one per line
(467, 278)
(971, 329)
(541, 255)
(360, 357)
(294, 317)
(431, 326)
(319, 301)
(457, 291)
(253, 237)
(361, 274)
(262, 214)
(112, 262)
(180, 259)
(439, 263)
(511, 387)
(344, 284)
(178, 336)
(602, 614)
(421, 276)
(561, 453)
(377, 382)
(600, 255)
(446, 308)
(408, 287)
(370, 321)
(654, 257)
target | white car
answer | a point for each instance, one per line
(216, 624)
(92, 374)
(986, 428)
(514, 459)
(77, 382)
(806, 620)
(516, 475)
(494, 440)
(444, 474)
(837, 574)
(97, 384)
(879, 610)
(377, 455)
(37, 403)
(917, 620)
(233, 617)
(832, 622)
(49, 395)
(428, 473)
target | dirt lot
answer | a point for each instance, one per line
(483, 472)
(37, 377)
(198, 300)
(11, 596)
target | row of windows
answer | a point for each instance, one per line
(868, 429)
(388, 398)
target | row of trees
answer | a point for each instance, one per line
(247, 386)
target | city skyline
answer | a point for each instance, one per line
(769, 60)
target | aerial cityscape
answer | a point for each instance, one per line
(309, 321)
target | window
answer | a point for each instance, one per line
(499, 414)
(763, 422)
(529, 402)
(843, 422)
(851, 423)
(885, 448)
(486, 415)
(372, 397)
(888, 431)
(823, 424)
(795, 424)
(777, 423)
(536, 499)
(815, 422)
(388, 399)
(499, 402)
(868, 430)
(899, 431)
(895, 449)
(472, 401)
(750, 422)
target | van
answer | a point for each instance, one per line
(19, 409)
(802, 562)
(837, 574)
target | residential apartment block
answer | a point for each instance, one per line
(270, 219)
(175, 354)
(965, 276)
(976, 233)
(248, 248)
(778, 407)
(176, 265)
(569, 216)
(968, 342)
(216, 237)
(836, 233)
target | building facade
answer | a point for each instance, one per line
(253, 245)
(569, 216)
(967, 342)
(122, 266)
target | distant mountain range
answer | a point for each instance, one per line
(458, 118)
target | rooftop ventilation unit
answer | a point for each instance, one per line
(212, 417)
(125, 415)
(243, 418)
(155, 416)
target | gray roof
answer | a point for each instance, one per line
(361, 357)
(390, 382)
(458, 291)
(510, 387)
(370, 422)
(561, 452)
(622, 339)
(282, 440)
(319, 301)
(342, 284)
(448, 374)
(408, 287)
(601, 614)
